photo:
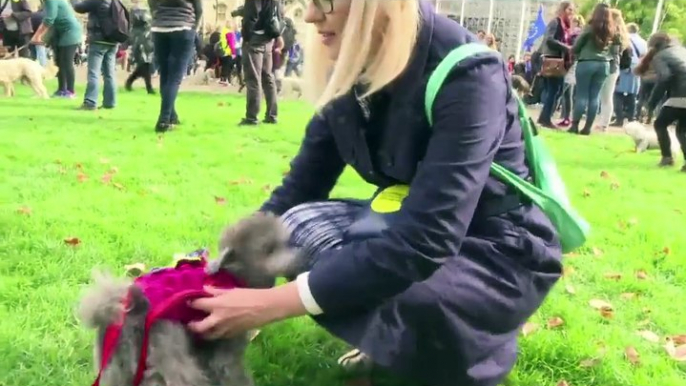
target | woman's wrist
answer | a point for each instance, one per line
(285, 302)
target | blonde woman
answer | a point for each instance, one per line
(491, 42)
(608, 90)
(434, 281)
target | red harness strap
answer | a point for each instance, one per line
(113, 333)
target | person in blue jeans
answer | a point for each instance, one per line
(101, 55)
(592, 49)
(174, 26)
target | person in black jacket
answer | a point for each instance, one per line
(16, 27)
(102, 55)
(668, 59)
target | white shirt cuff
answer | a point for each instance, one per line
(306, 295)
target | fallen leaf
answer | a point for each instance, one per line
(641, 274)
(58, 161)
(285, 172)
(570, 289)
(614, 186)
(604, 174)
(597, 252)
(649, 336)
(220, 104)
(627, 295)
(24, 210)
(104, 160)
(563, 383)
(118, 186)
(567, 271)
(268, 188)
(529, 328)
(219, 200)
(82, 177)
(678, 353)
(135, 269)
(73, 241)
(586, 193)
(113, 170)
(613, 276)
(666, 250)
(106, 178)
(607, 313)
(241, 181)
(555, 322)
(590, 362)
(78, 166)
(632, 355)
(678, 339)
(600, 304)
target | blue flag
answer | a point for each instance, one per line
(536, 30)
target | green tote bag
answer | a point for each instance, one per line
(548, 189)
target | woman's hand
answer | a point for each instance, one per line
(238, 310)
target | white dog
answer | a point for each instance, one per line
(27, 70)
(645, 137)
(291, 86)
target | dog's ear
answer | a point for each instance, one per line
(225, 261)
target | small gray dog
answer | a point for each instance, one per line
(255, 251)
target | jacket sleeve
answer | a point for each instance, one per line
(470, 119)
(24, 13)
(250, 17)
(197, 8)
(50, 8)
(314, 171)
(580, 42)
(663, 75)
(551, 36)
(87, 6)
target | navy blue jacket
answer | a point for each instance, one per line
(97, 11)
(447, 167)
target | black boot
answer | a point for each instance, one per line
(574, 129)
(666, 162)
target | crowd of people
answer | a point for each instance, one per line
(164, 40)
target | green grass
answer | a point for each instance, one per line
(162, 201)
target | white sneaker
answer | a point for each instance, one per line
(356, 361)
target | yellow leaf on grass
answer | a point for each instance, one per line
(529, 328)
(649, 336)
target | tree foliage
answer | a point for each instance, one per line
(642, 12)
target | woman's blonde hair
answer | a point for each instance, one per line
(377, 44)
(579, 20)
(491, 42)
(621, 27)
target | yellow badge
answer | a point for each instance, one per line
(390, 199)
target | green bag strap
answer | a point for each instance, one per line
(437, 79)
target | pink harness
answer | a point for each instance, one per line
(168, 290)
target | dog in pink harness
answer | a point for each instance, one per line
(141, 325)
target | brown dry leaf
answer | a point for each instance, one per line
(600, 304)
(82, 177)
(570, 289)
(632, 355)
(529, 328)
(25, 210)
(241, 181)
(590, 362)
(613, 276)
(614, 186)
(627, 295)
(666, 250)
(649, 336)
(220, 200)
(597, 252)
(607, 313)
(641, 274)
(555, 322)
(118, 186)
(604, 174)
(563, 383)
(78, 165)
(678, 339)
(106, 178)
(135, 269)
(268, 188)
(586, 193)
(567, 271)
(73, 241)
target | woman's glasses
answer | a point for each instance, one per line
(325, 6)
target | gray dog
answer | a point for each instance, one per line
(254, 250)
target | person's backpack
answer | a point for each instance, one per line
(117, 27)
(548, 189)
(274, 25)
(625, 59)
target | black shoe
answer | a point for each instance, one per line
(163, 127)
(617, 123)
(106, 107)
(175, 121)
(128, 87)
(86, 107)
(271, 121)
(574, 129)
(248, 122)
(152, 92)
(585, 131)
(666, 162)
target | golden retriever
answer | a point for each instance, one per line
(25, 70)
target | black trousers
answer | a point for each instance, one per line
(625, 107)
(64, 60)
(227, 63)
(667, 116)
(643, 95)
(142, 70)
